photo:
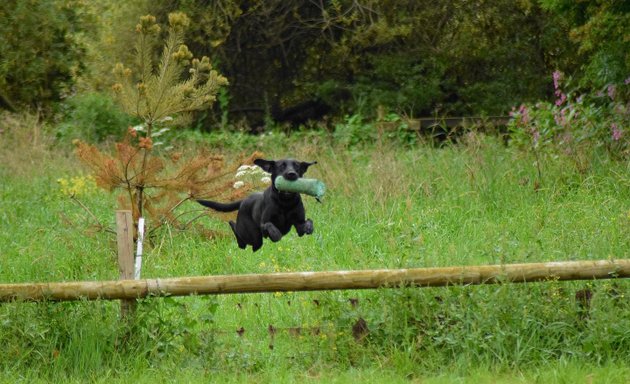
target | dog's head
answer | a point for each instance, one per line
(290, 169)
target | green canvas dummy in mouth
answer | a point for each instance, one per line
(312, 187)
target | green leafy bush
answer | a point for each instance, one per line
(576, 123)
(356, 130)
(93, 117)
(353, 131)
(600, 31)
(41, 50)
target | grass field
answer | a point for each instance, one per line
(388, 205)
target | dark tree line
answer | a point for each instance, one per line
(294, 60)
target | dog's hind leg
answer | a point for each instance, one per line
(241, 243)
(257, 244)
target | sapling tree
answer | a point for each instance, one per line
(162, 93)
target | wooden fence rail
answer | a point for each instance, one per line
(313, 281)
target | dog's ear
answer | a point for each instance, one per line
(266, 165)
(304, 166)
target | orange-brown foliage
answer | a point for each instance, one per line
(156, 186)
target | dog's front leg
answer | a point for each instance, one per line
(271, 231)
(305, 228)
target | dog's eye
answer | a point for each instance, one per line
(282, 166)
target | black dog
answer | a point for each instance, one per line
(270, 213)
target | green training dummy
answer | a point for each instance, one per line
(312, 187)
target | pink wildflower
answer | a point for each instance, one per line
(616, 132)
(561, 99)
(560, 117)
(557, 76)
(514, 113)
(535, 135)
(522, 110)
(611, 91)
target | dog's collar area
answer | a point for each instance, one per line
(286, 195)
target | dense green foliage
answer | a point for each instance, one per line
(294, 60)
(92, 117)
(601, 29)
(42, 50)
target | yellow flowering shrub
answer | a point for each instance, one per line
(77, 185)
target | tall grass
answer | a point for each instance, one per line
(387, 205)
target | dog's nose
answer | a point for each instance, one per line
(292, 176)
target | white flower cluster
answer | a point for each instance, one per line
(250, 173)
(158, 131)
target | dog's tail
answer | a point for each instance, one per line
(228, 207)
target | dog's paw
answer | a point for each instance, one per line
(305, 228)
(275, 235)
(308, 227)
(272, 232)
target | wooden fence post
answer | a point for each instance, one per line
(124, 238)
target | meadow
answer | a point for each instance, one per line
(390, 203)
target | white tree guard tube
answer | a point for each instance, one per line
(138, 263)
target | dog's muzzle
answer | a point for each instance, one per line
(291, 176)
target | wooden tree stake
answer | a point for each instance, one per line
(124, 238)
